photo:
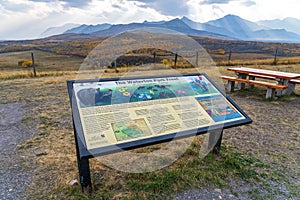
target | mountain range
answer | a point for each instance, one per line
(58, 30)
(229, 27)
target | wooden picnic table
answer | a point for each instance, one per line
(264, 72)
(283, 78)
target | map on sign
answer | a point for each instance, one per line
(119, 111)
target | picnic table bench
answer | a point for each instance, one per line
(271, 87)
(285, 81)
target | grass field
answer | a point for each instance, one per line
(47, 64)
(257, 161)
(51, 64)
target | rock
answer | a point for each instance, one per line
(74, 182)
(218, 190)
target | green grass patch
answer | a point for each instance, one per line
(188, 172)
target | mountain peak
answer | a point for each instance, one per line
(177, 23)
(239, 27)
(232, 16)
(290, 24)
(175, 20)
(185, 18)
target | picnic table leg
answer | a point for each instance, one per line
(286, 91)
(270, 93)
(290, 89)
(251, 78)
(230, 86)
(213, 137)
(241, 85)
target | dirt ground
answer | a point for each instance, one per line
(274, 137)
(15, 175)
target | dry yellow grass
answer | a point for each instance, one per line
(50, 64)
(269, 61)
(29, 74)
(53, 147)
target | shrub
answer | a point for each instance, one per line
(25, 63)
(168, 63)
(218, 51)
(165, 62)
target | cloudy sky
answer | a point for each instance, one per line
(25, 19)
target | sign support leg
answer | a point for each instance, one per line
(83, 168)
(213, 137)
(85, 175)
(217, 147)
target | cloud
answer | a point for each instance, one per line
(208, 2)
(21, 19)
(243, 2)
(167, 7)
(27, 19)
(69, 3)
(248, 3)
(14, 6)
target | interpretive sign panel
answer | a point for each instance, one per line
(148, 109)
(111, 115)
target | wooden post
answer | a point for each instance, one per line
(115, 62)
(175, 59)
(275, 57)
(229, 57)
(197, 59)
(33, 64)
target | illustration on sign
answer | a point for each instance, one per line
(130, 129)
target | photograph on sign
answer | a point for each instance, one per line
(218, 108)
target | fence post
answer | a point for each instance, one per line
(197, 58)
(154, 58)
(115, 62)
(275, 57)
(229, 57)
(175, 59)
(33, 64)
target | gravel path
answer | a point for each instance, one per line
(14, 174)
(207, 194)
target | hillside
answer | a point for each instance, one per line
(82, 44)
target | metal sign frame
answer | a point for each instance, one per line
(83, 154)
